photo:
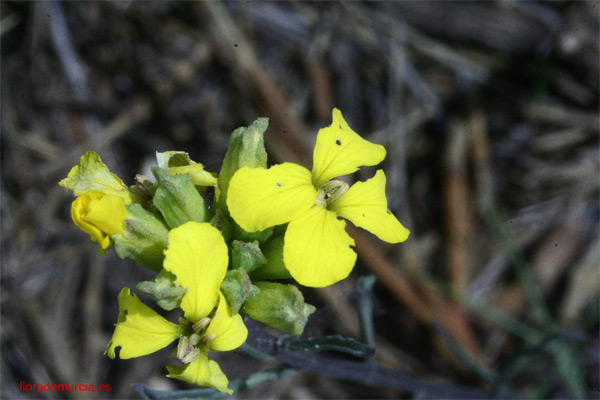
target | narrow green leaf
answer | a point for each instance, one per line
(364, 289)
(334, 342)
(236, 385)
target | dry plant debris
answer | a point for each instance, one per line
(489, 112)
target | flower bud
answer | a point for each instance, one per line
(145, 237)
(280, 306)
(246, 149)
(223, 223)
(163, 290)
(246, 255)
(237, 287)
(177, 199)
(274, 268)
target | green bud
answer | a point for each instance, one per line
(246, 255)
(241, 234)
(177, 199)
(163, 290)
(274, 268)
(237, 287)
(144, 238)
(246, 149)
(223, 223)
(280, 306)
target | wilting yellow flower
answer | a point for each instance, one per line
(99, 214)
(197, 255)
(316, 246)
(179, 163)
(99, 208)
(92, 174)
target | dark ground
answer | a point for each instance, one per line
(489, 113)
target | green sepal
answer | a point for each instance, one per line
(246, 149)
(177, 199)
(163, 290)
(274, 268)
(223, 223)
(237, 287)
(246, 255)
(280, 306)
(144, 189)
(144, 238)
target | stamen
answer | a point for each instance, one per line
(182, 347)
(321, 199)
(198, 326)
(194, 339)
(208, 337)
(331, 191)
(191, 356)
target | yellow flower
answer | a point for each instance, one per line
(99, 214)
(316, 248)
(197, 255)
(99, 208)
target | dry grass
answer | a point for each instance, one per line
(489, 113)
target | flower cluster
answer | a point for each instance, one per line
(220, 262)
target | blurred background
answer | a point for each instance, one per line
(488, 111)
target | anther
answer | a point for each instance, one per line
(182, 347)
(191, 356)
(208, 337)
(203, 323)
(194, 339)
(331, 191)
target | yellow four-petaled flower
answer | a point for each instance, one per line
(316, 248)
(197, 256)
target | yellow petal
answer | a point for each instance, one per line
(180, 163)
(92, 174)
(201, 372)
(140, 330)
(230, 331)
(317, 248)
(196, 171)
(365, 205)
(197, 255)
(341, 151)
(100, 215)
(260, 198)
